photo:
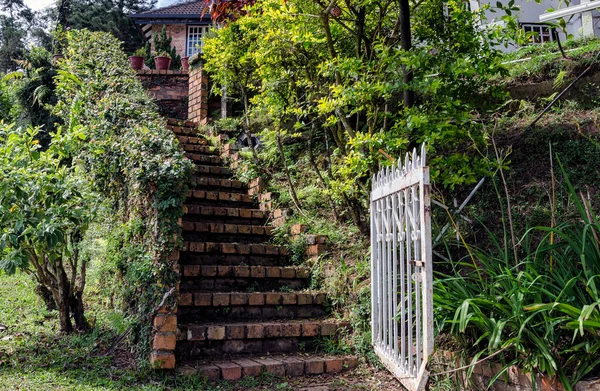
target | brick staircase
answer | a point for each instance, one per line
(242, 308)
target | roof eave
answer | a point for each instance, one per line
(170, 19)
(168, 16)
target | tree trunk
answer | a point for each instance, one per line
(406, 43)
(77, 309)
(311, 159)
(247, 126)
(46, 295)
(62, 298)
(287, 174)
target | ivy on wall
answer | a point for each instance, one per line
(133, 160)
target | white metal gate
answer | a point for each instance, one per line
(401, 270)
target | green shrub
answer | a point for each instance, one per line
(132, 160)
(45, 208)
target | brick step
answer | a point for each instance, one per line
(220, 232)
(242, 278)
(253, 337)
(247, 312)
(225, 238)
(220, 259)
(254, 272)
(234, 248)
(248, 284)
(183, 130)
(205, 159)
(212, 306)
(253, 299)
(178, 122)
(185, 140)
(199, 182)
(224, 215)
(235, 229)
(210, 171)
(220, 198)
(290, 365)
(201, 149)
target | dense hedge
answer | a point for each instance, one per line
(134, 161)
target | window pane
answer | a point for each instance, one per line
(194, 39)
(540, 33)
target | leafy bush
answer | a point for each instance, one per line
(45, 208)
(34, 92)
(132, 160)
(331, 85)
(544, 310)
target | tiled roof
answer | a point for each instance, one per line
(191, 8)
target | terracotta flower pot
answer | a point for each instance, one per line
(162, 63)
(137, 62)
(185, 64)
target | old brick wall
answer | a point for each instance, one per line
(169, 89)
(198, 96)
(178, 33)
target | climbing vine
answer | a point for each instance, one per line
(133, 161)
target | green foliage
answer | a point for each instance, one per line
(141, 52)
(162, 47)
(543, 310)
(45, 208)
(41, 202)
(233, 67)
(332, 86)
(34, 93)
(6, 102)
(133, 161)
(13, 33)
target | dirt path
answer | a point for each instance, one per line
(364, 378)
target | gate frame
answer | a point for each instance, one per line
(414, 175)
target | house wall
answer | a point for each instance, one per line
(578, 25)
(178, 33)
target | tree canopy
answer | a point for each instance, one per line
(334, 71)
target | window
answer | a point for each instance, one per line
(541, 33)
(194, 39)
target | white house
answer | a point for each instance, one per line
(582, 24)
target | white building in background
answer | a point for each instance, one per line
(584, 24)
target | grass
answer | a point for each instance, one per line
(542, 308)
(35, 356)
(545, 61)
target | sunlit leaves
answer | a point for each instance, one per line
(42, 202)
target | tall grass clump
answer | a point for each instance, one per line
(543, 310)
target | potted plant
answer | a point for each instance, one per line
(185, 64)
(138, 58)
(162, 61)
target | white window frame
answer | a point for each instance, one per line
(193, 39)
(543, 30)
